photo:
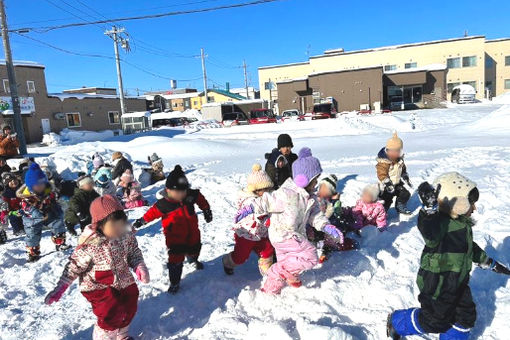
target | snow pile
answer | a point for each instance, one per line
(495, 122)
(205, 124)
(70, 137)
(502, 99)
(52, 139)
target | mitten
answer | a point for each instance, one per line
(495, 266)
(405, 178)
(389, 187)
(56, 294)
(243, 212)
(142, 273)
(138, 223)
(208, 215)
(332, 231)
(428, 197)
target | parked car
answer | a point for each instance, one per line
(323, 111)
(463, 94)
(396, 103)
(235, 118)
(262, 116)
(292, 115)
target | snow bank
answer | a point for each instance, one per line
(70, 137)
(502, 99)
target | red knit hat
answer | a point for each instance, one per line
(102, 207)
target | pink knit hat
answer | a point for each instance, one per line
(127, 176)
(102, 207)
(258, 179)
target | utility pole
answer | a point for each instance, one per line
(204, 71)
(246, 80)
(13, 85)
(114, 34)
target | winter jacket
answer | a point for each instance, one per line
(12, 204)
(78, 211)
(100, 263)
(108, 189)
(120, 166)
(389, 170)
(8, 146)
(131, 194)
(179, 219)
(251, 227)
(279, 175)
(448, 255)
(369, 214)
(40, 205)
(5, 168)
(290, 209)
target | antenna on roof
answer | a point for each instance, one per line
(465, 33)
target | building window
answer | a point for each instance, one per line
(390, 67)
(507, 84)
(210, 99)
(453, 62)
(30, 86)
(268, 85)
(469, 61)
(472, 83)
(195, 102)
(451, 86)
(6, 86)
(411, 65)
(73, 119)
(489, 62)
(175, 104)
(113, 117)
(507, 60)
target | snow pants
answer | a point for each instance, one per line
(243, 248)
(400, 193)
(35, 221)
(294, 256)
(114, 308)
(16, 223)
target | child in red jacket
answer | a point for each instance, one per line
(180, 223)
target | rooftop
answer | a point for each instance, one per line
(24, 63)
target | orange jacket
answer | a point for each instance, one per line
(8, 146)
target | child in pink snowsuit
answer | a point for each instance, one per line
(106, 253)
(291, 208)
(368, 210)
(131, 191)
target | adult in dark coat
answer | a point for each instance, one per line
(279, 161)
(78, 211)
(120, 165)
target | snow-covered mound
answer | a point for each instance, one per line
(502, 99)
(348, 297)
(70, 137)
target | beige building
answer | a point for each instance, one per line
(474, 60)
(91, 109)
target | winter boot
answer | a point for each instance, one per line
(197, 264)
(174, 273)
(265, 264)
(228, 264)
(60, 242)
(402, 209)
(390, 331)
(404, 322)
(3, 236)
(294, 282)
(33, 254)
(326, 251)
(457, 332)
(71, 230)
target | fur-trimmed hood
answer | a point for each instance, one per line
(382, 157)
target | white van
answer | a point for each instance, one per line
(463, 94)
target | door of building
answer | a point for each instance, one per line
(46, 127)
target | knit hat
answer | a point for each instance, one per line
(154, 158)
(305, 168)
(373, 190)
(258, 179)
(177, 180)
(330, 182)
(7, 177)
(127, 176)
(35, 176)
(457, 193)
(97, 161)
(395, 143)
(284, 140)
(83, 180)
(104, 172)
(102, 207)
(116, 155)
(102, 180)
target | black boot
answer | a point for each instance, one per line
(174, 273)
(33, 254)
(71, 230)
(3, 236)
(402, 209)
(228, 264)
(194, 261)
(390, 331)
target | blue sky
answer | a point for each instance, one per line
(273, 33)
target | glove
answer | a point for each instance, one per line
(142, 273)
(138, 223)
(56, 294)
(332, 231)
(405, 178)
(389, 187)
(242, 213)
(496, 267)
(208, 215)
(428, 197)
(382, 229)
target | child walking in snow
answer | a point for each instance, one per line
(368, 210)
(40, 208)
(291, 208)
(251, 229)
(392, 172)
(13, 204)
(131, 191)
(180, 223)
(106, 253)
(78, 211)
(445, 224)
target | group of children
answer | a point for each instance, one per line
(284, 227)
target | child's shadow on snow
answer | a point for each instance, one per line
(485, 284)
(342, 182)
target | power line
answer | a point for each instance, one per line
(150, 16)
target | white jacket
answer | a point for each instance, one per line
(251, 227)
(290, 210)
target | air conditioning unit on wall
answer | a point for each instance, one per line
(59, 116)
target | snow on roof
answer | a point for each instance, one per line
(284, 65)
(430, 67)
(63, 96)
(190, 113)
(137, 114)
(292, 80)
(345, 70)
(465, 89)
(497, 40)
(181, 95)
(25, 63)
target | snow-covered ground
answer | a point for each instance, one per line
(348, 297)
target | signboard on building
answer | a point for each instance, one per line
(26, 104)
